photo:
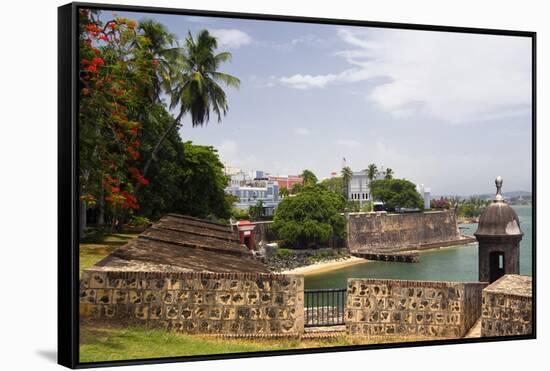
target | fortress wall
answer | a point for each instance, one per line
(377, 307)
(240, 304)
(393, 232)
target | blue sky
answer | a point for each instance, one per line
(451, 111)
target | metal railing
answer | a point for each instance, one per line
(324, 307)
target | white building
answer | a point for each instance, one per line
(253, 187)
(425, 194)
(358, 189)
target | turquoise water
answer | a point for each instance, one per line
(450, 264)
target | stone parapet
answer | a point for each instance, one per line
(239, 304)
(507, 307)
(378, 307)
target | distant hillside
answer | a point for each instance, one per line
(512, 194)
(485, 196)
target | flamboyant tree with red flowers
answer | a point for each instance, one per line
(113, 77)
(132, 159)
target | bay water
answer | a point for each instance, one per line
(458, 263)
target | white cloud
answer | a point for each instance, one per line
(451, 76)
(348, 143)
(300, 81)
(300, 131)
(231, 38)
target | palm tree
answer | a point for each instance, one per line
(389, 174)
(347, 174)
(164, 51)
(194, 85)
(372, 171)
(308, 177)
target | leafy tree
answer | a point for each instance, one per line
(388, 174)
(334, 184)
(283, 192)
(347, 174)
(256, 211)
(311, 218)
(240, 214)
(113, 79)
(442, 203)
(309, 177)
(396, 193)
(297, 188)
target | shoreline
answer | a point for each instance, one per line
(326, 266)
(335, 264)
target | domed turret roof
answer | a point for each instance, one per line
(499, 218)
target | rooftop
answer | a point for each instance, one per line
(183, 244)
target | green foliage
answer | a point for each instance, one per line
(191, 181)
(321, 256)
(472, 207)
(367, 206)
(311, 218)
(283, 192)
(372, 170)
(256, 211)
(334, 184)
(396, 193)
(309, 178)
(240, 214)
(139, 221)
(297, 188)
(352, 206)
(283, 253)
(347, 174)
(132, 159)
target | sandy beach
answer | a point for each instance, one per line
(326, 266)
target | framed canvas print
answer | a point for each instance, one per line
(239, 185)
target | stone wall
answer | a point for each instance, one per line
(507, 307)
(377, 307)
(241, 304)
(382, 232)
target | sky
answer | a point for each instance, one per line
(447, 110)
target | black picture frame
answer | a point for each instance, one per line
(68, 216)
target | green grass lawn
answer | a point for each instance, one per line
(98, 245)
(103, 342)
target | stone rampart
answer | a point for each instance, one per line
(377, 307)
(241, 304)
(386, 233)
(507, 307)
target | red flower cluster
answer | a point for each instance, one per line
(136, 174)
(134, 155)
(93, 29)
(91, 66)
(130, 201)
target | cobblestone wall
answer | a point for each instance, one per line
(377, 307)
(242, 304)
(507, 307)
(392, 232)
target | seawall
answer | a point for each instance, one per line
(387, 233)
